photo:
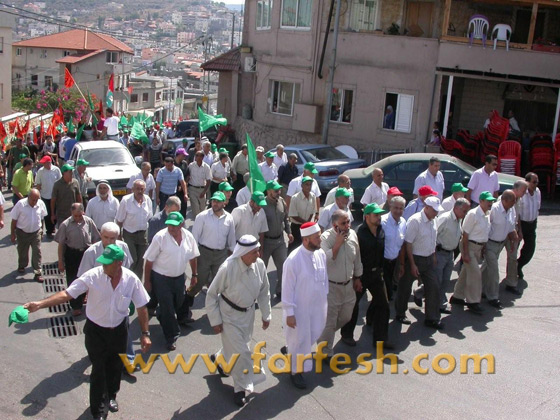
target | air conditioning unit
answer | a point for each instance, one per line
(250, 64)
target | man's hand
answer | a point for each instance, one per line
(186, 197)
(61, 267)
(290, 238)
(401, 271)
(148, 285)
(218, 329)
(265, 324)
(53, 219)
(466, 257)
(357, 285)
(1, 224)
(291, 321)
(194, 280)
(341, 237)
(414, 270)
(145, 343)
(31, 306)
(13, 237)
(202, 195)
(157, 200)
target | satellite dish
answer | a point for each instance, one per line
(348, 151)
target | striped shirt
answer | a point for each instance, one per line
(168, 180)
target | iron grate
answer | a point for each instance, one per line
(60, 309)
(51, 269)
(62, 326)
(54, 284)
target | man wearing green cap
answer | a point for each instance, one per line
(80, 175)
(239, 167)
(106, 327)
(14, 153)
(166, 259)
(274, 244)
(66, 191)
(341, 200)
(294, 187)
(220, 172)
(23, 181)
(19, 165)
(250, 218)
(303, 208)
(227, 190)
(268, 168)
(457, 191)
(476, 227)
(198, 180)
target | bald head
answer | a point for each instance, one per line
(508, 199)
(343, 181)
(33, 197)
(377, 176)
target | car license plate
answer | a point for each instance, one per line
(119, 192)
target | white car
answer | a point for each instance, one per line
(108, 160)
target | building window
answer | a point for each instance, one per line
(34, 80)
(43, 53)
(341, 110)
(48, 81)
(282, 97)
(362, 15)
(134, 97)
(19, 52)
(158, 96)
(296, 13)
(398, 112)
(66, 53)
(145, 97)
(264, 8)
(112, 57)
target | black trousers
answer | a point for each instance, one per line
(388, 275)
(72, 260)
(237, 184)
(163, 199)
(529, 231)
(49, 225)
(378, 311)
(297, 237)
(170, 292)
(103, 346)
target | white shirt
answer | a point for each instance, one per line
(2, 199)
(134, 216)
(331, 196)
(248, 223)
(502, 222)
(530, 206)
(61, 149)
(198, 175)
(295, 186)
(513, 124)
(93, 252)
(28, 218)
(269, 172)
(170, 258)
(481, 181)
(150, 182)
(394, 235)
(112, 125)
(422, 234)
(448, 230)
(243, 196)
(102, 211)
(435, 182)
(326, 216)
(448, 203)
(375, 194)
(46, 179)
(214, 232)
(279, 161)
(208, 159)
(108, 307)
(220, 171)
(476, 224)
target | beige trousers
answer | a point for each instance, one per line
(469, 283)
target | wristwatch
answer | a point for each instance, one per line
(146, 333)
(194, 275)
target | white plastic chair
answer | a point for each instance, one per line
(504, 34)
(478, 29)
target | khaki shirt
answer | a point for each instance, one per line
(77, 235)
(302, 207)
(348, 262)
(64, 195)
(276, 218)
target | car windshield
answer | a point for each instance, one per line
(107, 157)
(322, 153)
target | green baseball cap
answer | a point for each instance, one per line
(22, 156)
(374, 208)
(273, 185)
(111, 254)
(342, 192)
(20, 315)
(486, 195)
(225, 186)
(306, 179)
(174, 218)
(218, 196)
(269, 155)
(66, 168)
(213, 147)
(310, 166)
(458, 187)
(223, 150)
(258, 198)
(82, 162)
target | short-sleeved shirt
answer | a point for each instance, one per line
(295, 186)
(247, 222)
(302, 207)
(23, 181)
(77, 235)
(240, 164)
(435, 182)
(198, 175)
(133, 215)
(28, 218)
(269, 172)
(502, 222)
(169, 179)
(46, 179)
(476, 224)
(220, 171)
(68, 146)
(150, 182)
(375, 194)
(448, 230)
(82, 181)
(325, 220)
(215, 232)
(112, 125)
(421, 233)
(168, 257)
(480, 181)
(394, 235)
(65, 194)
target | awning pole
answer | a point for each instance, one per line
(555, 130)
(447, 106)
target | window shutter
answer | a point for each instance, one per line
(405, 107)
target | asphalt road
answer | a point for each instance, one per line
(47, 378)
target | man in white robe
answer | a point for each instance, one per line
(230, 305)
(305, 287)
(103, 208)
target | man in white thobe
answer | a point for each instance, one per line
(103, 208)
(230, 305)
(305, 287)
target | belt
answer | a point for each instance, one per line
(76, 249)
(478, 243)
(196, 186)
(421, 256)
(234, 306)
(340, 283)
(496, 242)
(531, 222)
(135, 232)
(210, 249)
(273, 237)
(440, 248)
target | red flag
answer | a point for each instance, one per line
(52, 131)
(100, 107)
(12, 126)
(2, 131)
(35, 138)
(58, 116)
(68, 79)
(130, 89)
(112, 83)
(42, 132)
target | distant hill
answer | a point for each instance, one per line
(236, 7)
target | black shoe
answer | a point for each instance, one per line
(403, 320)
(278, 296)
(513, 290)
(386, 345)
(456, 301)
(369, 322)
(100, 417)
(239, 398)
(185, 321)
(349, 341)
(417, 301)
(433, 324)
(495, 303)
(284, 350)
(113, 405)
(219, 368)
(171, 346)
(520, 274)
(444, 311)
(475, 308)
(298, 381)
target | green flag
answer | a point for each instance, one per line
(138, 132)
(70, 127)
(20, 315)
(79, 132)
(92, 110)
(206, 121)
(123, 120)
(257, 179)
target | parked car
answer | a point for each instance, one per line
(189, 128)
(328, 161)
(170, 146)
(108, 160)
(401, 171)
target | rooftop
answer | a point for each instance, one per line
(229, 61)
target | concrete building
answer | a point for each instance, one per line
(160, 97)
(276, 86)
(6, 24)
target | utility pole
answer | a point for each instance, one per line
(232, 29)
